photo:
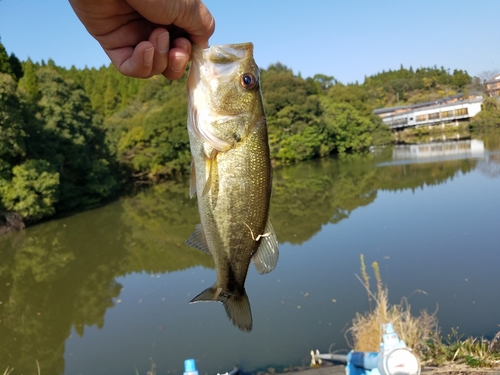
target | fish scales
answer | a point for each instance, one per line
(231, 173)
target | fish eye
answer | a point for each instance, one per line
(248, 81)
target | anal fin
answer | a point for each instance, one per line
(197, 240)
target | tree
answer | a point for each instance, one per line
(488, 75)
(489, 116)
(16, 67)
(29, 82)
(33, 190)
(77, 145)
(53, 154)
(354, 95)
(319, 84)
(12, 134)
(4, 61)
(346, 128)
(154, 142)
(281, 89)
(302, 146)
(460, 79)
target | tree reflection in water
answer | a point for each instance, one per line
(62, 274)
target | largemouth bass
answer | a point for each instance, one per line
(230, 172)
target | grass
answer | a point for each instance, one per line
(421, 333)
(471, 351)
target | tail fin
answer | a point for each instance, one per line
(237, 307)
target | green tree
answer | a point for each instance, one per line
(33, 190)
(12, 134)
(461, 79)
(155, 142)
(354, 95)
(346, 128)
(78, 149)
(302, 146)
(29, 82)
(281, 89)
(319, 84)
(16, 67)
(489, 116)
(4, 61)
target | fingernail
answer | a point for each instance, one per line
(163, 42)
(179, 63)
(148, 56)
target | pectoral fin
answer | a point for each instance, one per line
(192, 180)
(197, 240)
(266, 256)
(210, 167)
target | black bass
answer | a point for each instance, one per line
(230, 172)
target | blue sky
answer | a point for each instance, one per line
(346, 39)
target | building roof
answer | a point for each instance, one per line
(379, 111)
(494, 80)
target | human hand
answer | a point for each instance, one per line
(147, 37)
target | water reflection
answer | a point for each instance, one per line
(158, 222)
(490, 165)
(53, 277)
(62, 276)
(460, 148)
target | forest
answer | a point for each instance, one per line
(73, 138)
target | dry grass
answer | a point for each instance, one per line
(420, 333)
(366, 331)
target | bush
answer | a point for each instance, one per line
(32, 191)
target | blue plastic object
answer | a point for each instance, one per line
(190, 367)
(366, 360)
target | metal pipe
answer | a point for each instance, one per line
(333, 357)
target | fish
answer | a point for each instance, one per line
(231, 173)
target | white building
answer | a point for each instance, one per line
(431, 113)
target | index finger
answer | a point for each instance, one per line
(190, 15)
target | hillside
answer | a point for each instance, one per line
(72, 138)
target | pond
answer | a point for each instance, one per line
(107, 290)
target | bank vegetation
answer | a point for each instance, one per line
(73, 138)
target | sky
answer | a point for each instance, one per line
(347, 39)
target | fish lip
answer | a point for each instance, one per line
(222, 52)
(216, 60)
(245, 46)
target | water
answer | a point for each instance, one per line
(107, 290)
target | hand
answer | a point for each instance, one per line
(147, 37)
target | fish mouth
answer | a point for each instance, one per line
(223, 53)
(216, 61)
